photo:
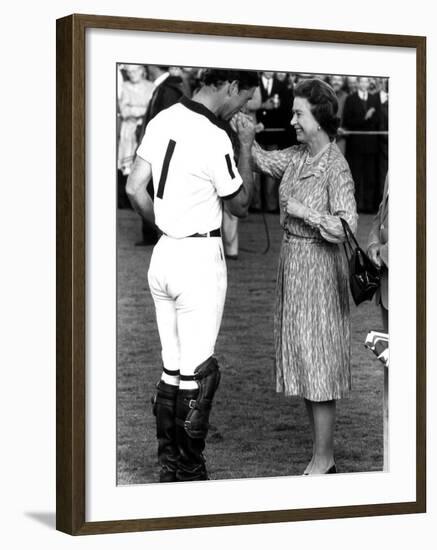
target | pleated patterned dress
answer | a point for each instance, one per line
(312, 323)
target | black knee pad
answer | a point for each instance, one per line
(207, 377)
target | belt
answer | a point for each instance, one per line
(303, 238)
(213, 233)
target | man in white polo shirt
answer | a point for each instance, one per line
(188, 151)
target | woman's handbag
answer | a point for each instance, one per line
(364, 276)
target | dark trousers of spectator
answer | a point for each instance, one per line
(122, 198)
(265, 190)
(365, 174)
(149, 231)
(265, 194)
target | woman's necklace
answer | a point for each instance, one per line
(310, 160)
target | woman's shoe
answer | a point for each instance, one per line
(332, 470)
(308, 468)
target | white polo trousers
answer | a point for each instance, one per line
(188, 281)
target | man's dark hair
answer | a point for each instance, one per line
(323, 101)
(217, 77)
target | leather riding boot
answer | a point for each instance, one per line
(164, 408)
(207, 378)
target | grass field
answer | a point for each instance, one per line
(255, 432)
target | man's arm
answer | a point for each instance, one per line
(136, 189)
(239, 204)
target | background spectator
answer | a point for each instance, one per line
(134, 95)
(382, 97)
(275, 115)
(362, 112)
(337, 83)
(351, 84)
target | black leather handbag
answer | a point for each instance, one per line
(364, 276)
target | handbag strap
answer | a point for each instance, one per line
(348, 232)
(347, 245)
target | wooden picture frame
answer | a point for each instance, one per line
(71, 284)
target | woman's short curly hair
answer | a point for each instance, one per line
(323, 101)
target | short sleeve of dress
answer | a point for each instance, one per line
(272, 163)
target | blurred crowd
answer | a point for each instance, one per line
(144, 90)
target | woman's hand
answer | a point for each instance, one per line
(296, 209)
(246, 130)
(374, 254)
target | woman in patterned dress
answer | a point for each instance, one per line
(312, 328)
(134, 98)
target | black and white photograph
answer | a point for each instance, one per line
(252, 273)
(222, 246)
(203, 346)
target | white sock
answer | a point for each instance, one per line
(188, 385)
(172, 380)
